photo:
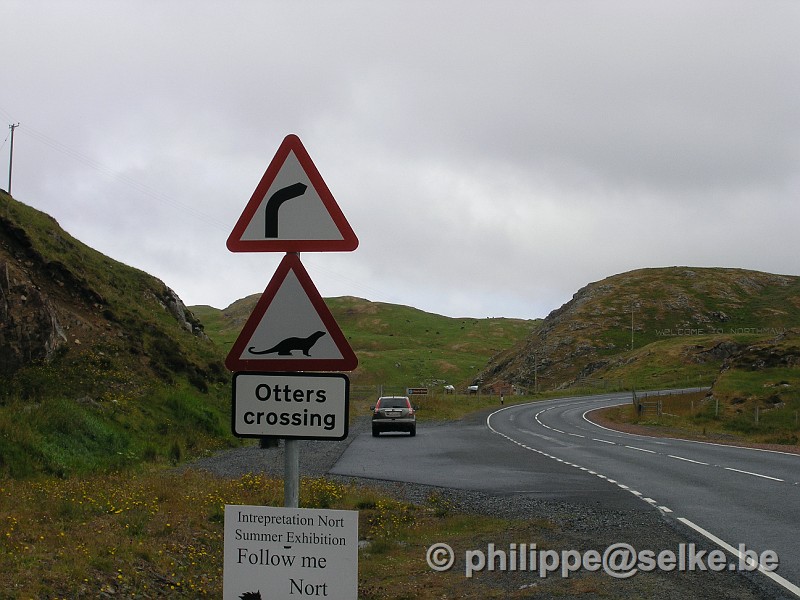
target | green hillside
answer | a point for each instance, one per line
(734, 331)
(101, 365)
(397, 346)
(653, 328)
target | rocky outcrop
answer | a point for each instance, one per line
(62, 302)
(606, 322)
(172, 303)
(29, 323)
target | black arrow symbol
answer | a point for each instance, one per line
(274, 203)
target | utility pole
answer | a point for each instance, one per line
(11, 155)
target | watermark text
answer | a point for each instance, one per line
(619, 561)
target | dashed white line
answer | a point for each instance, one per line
(753, 474)
(697, 462)
(786, 584)
(642, 449)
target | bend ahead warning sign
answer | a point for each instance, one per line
(292, 209)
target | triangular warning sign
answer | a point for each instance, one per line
(291, 328)
(292, 210)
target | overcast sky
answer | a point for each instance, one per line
(491, 157)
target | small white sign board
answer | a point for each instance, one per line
(280, 553)
(312, 406)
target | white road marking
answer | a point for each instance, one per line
(753, 474)
(642, 450)
(622, 433)
(697, 462)
(785, 583)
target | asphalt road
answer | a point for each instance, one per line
(550, 449)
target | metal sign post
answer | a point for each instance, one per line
(291, 473)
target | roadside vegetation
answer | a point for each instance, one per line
(62, 437)
(716, 417)
(159, 534)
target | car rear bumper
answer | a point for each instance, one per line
(393, 424)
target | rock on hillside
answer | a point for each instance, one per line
(60, 301)
(607, 321)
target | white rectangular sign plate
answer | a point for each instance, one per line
(280, 553)
(311, 406)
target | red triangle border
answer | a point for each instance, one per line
(349, 241)
(348, 362)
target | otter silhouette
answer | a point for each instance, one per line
(285, 347)
(251, 596)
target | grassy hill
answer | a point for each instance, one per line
(397, 346)
(653, 327)
(101, 365)
(733, 330)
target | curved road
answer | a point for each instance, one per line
(729, 494)
(551, 449)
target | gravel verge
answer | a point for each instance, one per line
(560, 526)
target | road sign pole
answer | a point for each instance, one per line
(291, 473)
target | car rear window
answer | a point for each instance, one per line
(393, 403)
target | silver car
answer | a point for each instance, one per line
(394, 413)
